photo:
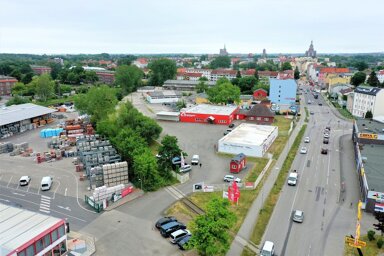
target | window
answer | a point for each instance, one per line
(266, 119)
(47, 240)
(251, 118)
(21, 253)
(258, 118)
(234, 166)
(61, 231)
(54, 235)
(30, 250)
(39, 245)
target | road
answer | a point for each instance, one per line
(318, 191)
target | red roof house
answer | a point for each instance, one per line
(260, 94)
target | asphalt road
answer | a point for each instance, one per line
(318, 191)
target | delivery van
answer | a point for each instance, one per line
(46, 183)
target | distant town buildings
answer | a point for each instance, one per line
(6, 84)
(219, 73)
(380, 76)
(311, 51)
(58, 61)
(264, 55)
(39, 70)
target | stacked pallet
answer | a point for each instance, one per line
(115, 174)
(19, 149)
(6, 147)
(105, 193)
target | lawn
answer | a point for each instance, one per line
(259, 164)
(270, 202)
(370, 250)
(279, 143)
(55, 101)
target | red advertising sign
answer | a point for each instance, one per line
(126, 191)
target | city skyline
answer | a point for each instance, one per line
(150, 27)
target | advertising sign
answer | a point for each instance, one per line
(369, 136)
(379, 197)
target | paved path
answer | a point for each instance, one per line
(246, 228)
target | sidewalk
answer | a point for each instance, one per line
(80, 244)
(246, 228)
(132, 196)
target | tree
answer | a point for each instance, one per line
(161, 70)
(16, 100)
(90, 77)
(201, 87)
(55, 70)
(224, 93)
(97, 102)
(211, 230)
(286, 66)
(257, 75)
(128, 78)
(27, 78)
(358, 78)
(204, 57)
(145, 169)
(18, 89)
(127, 60)
(221, 62)
(368, 114)
(181, 104)
(167, 151)
(373, 80)
(297, 73)
(246, 84)
(379, 216)
(44, 87)
(360, 65)
(238, 74)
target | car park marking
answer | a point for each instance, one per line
(65, 193)
(18, 194)
(65, 208)
(5, 200)
(9, 181)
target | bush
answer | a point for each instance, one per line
(380, 243)
(371, 235)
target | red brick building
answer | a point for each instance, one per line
(212, 114)
(39, 70)
(260, 114)
(106, 77)
(6, 84)
(260, 94)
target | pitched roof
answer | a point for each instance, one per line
(260, 110)
(248, 72)
(224, 72)
(334, 70)
(367, 90)
(189, 74)
(345, 91)
(260, 89)
(267, 73)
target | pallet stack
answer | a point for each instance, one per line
(105, 193)
(19, 149)
(6, 147)
(115, 174)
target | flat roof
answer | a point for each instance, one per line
(19, 226)
(249, 134)
(211, 109)
(370, 126)
(373, 166)
(167, 113)
(16, 113)
(186, 82)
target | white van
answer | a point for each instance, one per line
(46, 183)
(292, 179)
(195, 160)
(268, 249)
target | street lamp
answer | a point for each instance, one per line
(141, 184)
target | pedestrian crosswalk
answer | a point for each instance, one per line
(45, 204)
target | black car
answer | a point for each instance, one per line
(325, 140)
(231, 125)
(183, 242)
(164, 220)
(320, 104)
(169, 228)
(324, 151)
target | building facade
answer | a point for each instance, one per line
(188, 76)
(210, 114)
(368, 99)
(6, 84)
(380, 76)
(260, 94)
(106, 77)
(283, 92)
(219, 73)
(311, 51)
(39, 70)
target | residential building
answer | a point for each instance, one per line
(349, 105)
(260, 94)
(184, 85)
(380, 76)
(282, 92)
(141, 63)
(106, 77)
(188, 76)
(58, 61)
(324, 72)
(311, 51)
(286, 74)
(219, 73)
(248, 72)
(268, 74)
(205, 72)
(342, 94)
(260, 114)
(333, 79)
(39, 70)
(6, 84)
(368, 98)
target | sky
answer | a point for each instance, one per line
(190, 26)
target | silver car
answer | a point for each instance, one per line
(298, 216)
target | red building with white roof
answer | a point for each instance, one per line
(6, 84)
(205, 113)
(39, 70)
(188, 76)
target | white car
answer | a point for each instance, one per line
(195, 160)
(307, 139)
(185, 168)
(303, 150)
(24, 180)
(298, 216)
(326, 135)
(230, 178)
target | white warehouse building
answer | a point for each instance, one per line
(250, 139)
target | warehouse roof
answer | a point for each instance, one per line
(16, 113)
(249, 134)
(370, 126)
(19, 226)
(211, 109)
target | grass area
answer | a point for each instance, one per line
(256, 170)
(343, 111)
(55, 101)
(306, 115)
(272, 198)
(284, 124)
(370, 250)
(154, 146)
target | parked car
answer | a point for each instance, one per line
(185, 168)
(176, 160)
(328, 127)
(46, 183)
(178, 235)
(326, 140)
(320, 104)
(324, 151)
(312, 113)
(303, 150)
(195, 160)
(326, 135)
(230, 178)
(167, 229)
(24, 180)
(231, 125)
(183, 242)
(164, 220)
(298, 216)
(307, 140)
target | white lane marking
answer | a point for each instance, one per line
(9, 181)
(18, 194)
(46, 197)
(44, 207)
(44, 211)
(65, 193)
(5, 200)
(45, 204)
(65, 208)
